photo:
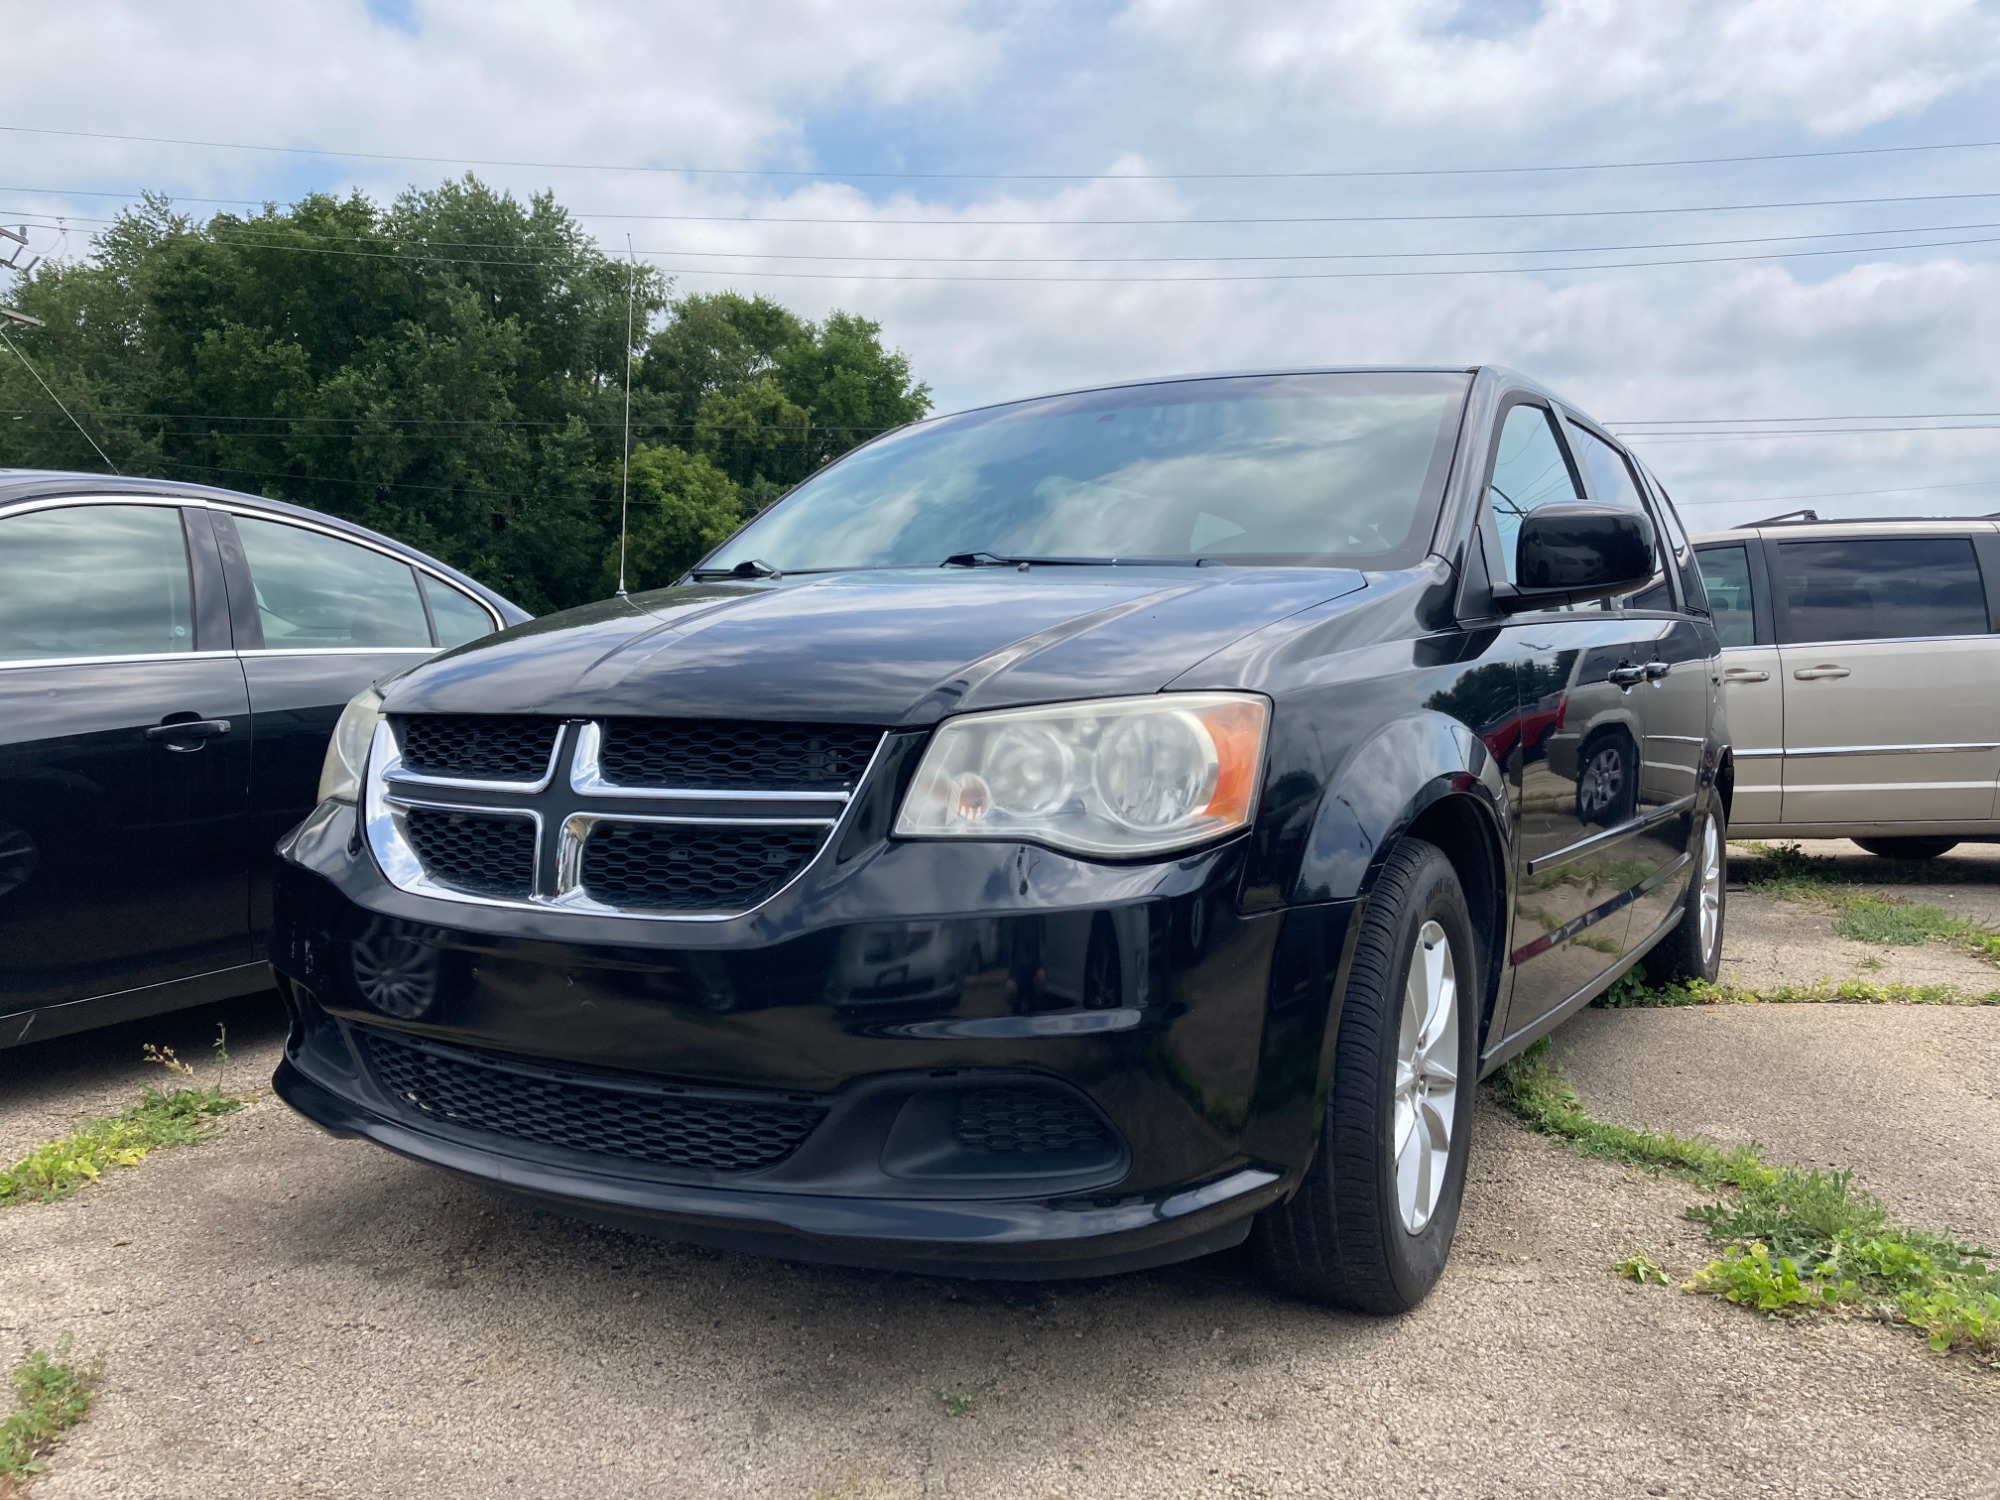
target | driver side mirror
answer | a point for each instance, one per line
(1573, 551)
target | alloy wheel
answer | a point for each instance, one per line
(1603, 780)
(1711, 887)
(1426, 1090)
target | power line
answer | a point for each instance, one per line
(235, 237)
(1517, 215)
(1901, 489)
(879, 175)
(1539, 270)
(1905, 416)
(57, 399)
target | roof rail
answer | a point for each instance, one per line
(1788, 516)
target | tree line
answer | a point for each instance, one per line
(450, 369)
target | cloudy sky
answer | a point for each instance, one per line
(1035, 195)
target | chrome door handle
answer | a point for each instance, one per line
(1655, 670)
(1624, 676)
(1815, 674)
(1744, 674)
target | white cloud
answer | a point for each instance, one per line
(1832, 67)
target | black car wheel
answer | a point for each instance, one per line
(1907, 848)
(1693, 950)
(1372, 1223)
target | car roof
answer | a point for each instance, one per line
(1800, 528)
(18, 486)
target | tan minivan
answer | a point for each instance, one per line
(1861, 677)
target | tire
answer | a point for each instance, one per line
(1907, 848)
(1355, 1233)
(1693, 950)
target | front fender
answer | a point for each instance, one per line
(1381, 789)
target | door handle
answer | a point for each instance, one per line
(1814, 674)
(1624, 676)
(1655, 670)
(1744, 674)
(198, 730)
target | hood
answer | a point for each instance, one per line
(879, 647)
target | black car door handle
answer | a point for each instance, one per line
(188, 729)
(1623, 676)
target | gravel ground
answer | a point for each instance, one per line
(286, 1315)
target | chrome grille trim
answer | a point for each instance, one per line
(390, 788)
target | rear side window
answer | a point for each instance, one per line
(457, 617)
(94, 580)
(314, 590)
(1529, 469)
(1881, 588)
(1725, 572)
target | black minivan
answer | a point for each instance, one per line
(1062, 837)
(172, 661)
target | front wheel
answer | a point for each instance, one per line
(1372, 1223)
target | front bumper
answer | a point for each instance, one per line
(1134, 996)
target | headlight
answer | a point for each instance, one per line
(1119, 776)
(347, 751)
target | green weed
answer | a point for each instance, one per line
(1795, 1242)
(1642, 1268)
(175, 1116)
(957, 1403)
(1639, 995)
(1787, 873)
(51, 1395)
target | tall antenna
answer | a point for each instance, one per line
(625, 473)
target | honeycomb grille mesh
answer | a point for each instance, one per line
(694, 866)
(1027, 1119)
(487, 853)
(720, 755)
(478, 747)
(695, 1131)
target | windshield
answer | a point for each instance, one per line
(1340, 469)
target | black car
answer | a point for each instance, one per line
(172, 661)
(1067, 836)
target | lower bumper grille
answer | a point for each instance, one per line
(694, 866)
(1008, 1120)
(492, 854)
(628, 1122)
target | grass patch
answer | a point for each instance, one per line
(957, 1403)
(177, 1115)
(1787, 873)
(1795, 1242)
(51, 1395)
(1633, 993)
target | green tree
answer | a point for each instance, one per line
(682, 507)
(449, 369)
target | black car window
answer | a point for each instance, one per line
(1612, 482)
(1881, 588)
(1529, 469)
(314, 590)
(1725, 572)
(457, 616)
(1692, 590)
(94, 580)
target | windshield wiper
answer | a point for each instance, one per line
(750, 567)
(995, 560)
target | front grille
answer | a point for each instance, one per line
(694, 866)
(628, 1121)
(1027, 1119)
(490, 854)
(478, 747)
(721, 755)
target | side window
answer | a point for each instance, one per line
(94, 580)
(1613, 483)
(316, 590)
(458, 617)
(1529, 469)
(1677, 539)
(1725, 572)
(1881, 588)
